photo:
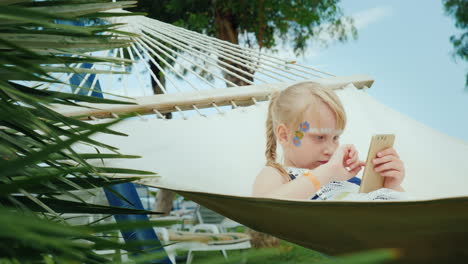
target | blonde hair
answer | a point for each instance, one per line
(289, 106)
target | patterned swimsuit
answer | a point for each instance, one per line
(346, 190)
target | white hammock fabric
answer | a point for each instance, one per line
(223, 153)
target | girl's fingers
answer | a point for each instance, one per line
(355, 171)
(384, 159)
(351, 160)
(344, 153)
(357, 164)
(392, 165)
(391, 173)
(362, 163)
(352, 156)
(352, 153)
(388, 151)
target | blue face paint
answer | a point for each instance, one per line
(296, 141)
(303, 128)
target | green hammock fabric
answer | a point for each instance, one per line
(434, 231)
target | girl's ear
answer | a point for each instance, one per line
(282, 134)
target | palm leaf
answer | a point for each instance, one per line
(72, 10)
(39, 168)
(30, 237)
(51, 184)
(72, 207)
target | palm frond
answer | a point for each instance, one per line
(41, 173)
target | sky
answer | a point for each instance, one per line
(405, 47)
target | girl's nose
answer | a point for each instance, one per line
(329, 149)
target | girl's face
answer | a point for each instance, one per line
(313, 142)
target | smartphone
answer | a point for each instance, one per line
(372, 180)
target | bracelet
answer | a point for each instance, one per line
(312, 179)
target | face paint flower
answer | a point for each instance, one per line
(297, 141)
(299, 134)
(304, 126)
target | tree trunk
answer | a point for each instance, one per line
(164, 198)
(227, 30)
(164, 202)
(162, 80)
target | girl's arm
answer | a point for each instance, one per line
(271, 184)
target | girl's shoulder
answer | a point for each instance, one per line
(267, 179)
(270, 173)
(270, 170)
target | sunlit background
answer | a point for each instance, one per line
(405, 47)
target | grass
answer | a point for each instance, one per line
(286, 253)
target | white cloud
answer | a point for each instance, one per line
(362, 19)
(369, 16)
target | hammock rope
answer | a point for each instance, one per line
(208, 63)
(234, 55)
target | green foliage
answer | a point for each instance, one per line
(256, 24)
(294, 21)
(40, 172)
(289, 253)
(459, 10)
(33, 240)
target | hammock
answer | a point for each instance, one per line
(223, 153)
(213, 159)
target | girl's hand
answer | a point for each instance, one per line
(389, 165)
(345, 156)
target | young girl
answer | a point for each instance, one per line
(307, 120)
